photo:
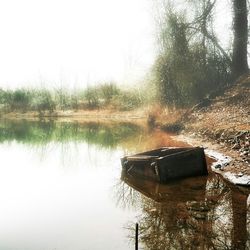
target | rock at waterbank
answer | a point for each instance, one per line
(221, 166)
(238, 179)
(238, 141)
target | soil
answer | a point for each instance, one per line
(81, 114)
(223, 124)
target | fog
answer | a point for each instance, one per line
(76, 43)
(73, 43)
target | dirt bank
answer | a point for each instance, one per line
(82, 115)
(223, 124)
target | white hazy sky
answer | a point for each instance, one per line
(74, 42)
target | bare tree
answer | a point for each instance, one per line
(239, 57)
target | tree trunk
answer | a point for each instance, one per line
(239, 59)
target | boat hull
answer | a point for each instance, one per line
(165, 164)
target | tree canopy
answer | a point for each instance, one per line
(192, 64)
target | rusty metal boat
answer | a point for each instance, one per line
(165, 164)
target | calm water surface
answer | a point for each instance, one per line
(61, 187)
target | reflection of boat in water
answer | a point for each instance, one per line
(178, 191)
(165, 164)
(204, 210)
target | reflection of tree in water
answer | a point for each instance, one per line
(126, 197)
(239, 210)
(207, 215)
(43, 132)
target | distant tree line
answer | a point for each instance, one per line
(106, 95)
(191, 63)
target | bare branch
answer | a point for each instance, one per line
(215, 42)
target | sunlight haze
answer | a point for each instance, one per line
(74, 43)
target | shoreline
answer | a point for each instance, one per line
(105, 113)
(235, 171)
(227, 164)
(81, 116)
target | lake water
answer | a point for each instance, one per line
(61, 187)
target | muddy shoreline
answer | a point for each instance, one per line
(229, 163)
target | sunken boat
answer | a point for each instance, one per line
(165, 164)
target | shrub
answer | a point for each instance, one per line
(126, 100)
(91, 97)
(186, 71)
(62, 99)
(42, 101)
(19, 100)
(108, 91)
